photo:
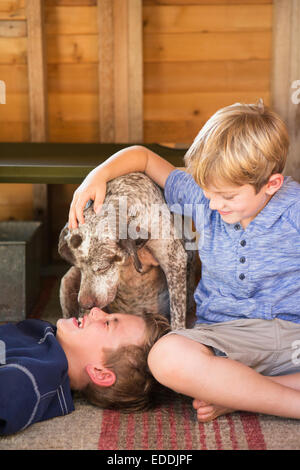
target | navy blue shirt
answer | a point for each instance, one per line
(34, 382)
(251, 273)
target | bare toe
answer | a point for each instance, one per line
(208, 413)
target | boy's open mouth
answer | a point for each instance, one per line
(79, 323)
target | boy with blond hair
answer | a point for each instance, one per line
(242, 353)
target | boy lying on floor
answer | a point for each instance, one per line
(105, 357)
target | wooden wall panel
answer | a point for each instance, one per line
(12, 9)
(187, 18)
(206, 2)
(202, 46)
(207, 76)
(195, 47)
(200, 56)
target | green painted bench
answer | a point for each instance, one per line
(59, 163)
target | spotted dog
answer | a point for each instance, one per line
(122, 261)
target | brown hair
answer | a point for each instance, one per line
(135, 387)
(240, 144)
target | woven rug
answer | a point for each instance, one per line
(170, 427)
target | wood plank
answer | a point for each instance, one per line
(163, 47)
(16, 109)
(106, 71)
(221, 76)
(13, 50)
(71, 3)
(120, 70)
(210, 46)
(206, 18)
(73, 107)
(72, 49)
(121, 78)
(172, 131)
(37, 71)
(14, 131)
(73, 78)
(13, 29)
(63, 20)
(16, 76)
(135, 71)
(177, 106)
(69, 131)
(62, 107)
(12, 10)
(206, 2)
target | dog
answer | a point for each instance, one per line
(119, 262)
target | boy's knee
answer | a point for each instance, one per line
(162, 355)
(170, 353)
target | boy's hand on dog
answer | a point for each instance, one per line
(91, 188)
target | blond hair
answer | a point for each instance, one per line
(135, 388)
(240, 144)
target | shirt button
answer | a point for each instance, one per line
(243, 242)
(237, 227)
(242, 276)
(242, 259)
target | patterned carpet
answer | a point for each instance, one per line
(172, 426)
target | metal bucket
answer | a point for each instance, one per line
(20, 261)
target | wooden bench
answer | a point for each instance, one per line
(60, 163)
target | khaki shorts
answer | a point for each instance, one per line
(271, 347)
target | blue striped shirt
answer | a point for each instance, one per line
(251, 273)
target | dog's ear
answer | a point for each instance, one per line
(63, 247)
(131, 247)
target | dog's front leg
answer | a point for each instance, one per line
(172, 258)
(68, 293)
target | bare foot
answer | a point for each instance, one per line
(207, 412)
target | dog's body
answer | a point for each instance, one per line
(123, 273)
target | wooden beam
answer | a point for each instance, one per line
(120, 71)
(135, 70)
(106, 71)
(38, 106)
(286, 72)
(37, 71)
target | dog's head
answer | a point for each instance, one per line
(96, 250)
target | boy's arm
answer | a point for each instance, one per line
(135, 158)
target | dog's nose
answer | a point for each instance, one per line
(86, 303)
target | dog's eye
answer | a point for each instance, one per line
(76, 241)
(116, 258)
(101, 269)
